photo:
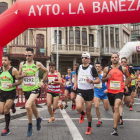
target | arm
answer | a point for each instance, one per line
(59, 79)
(135, 76)
(126, 75)
(75, 82)
(20, 76)
(105, 75)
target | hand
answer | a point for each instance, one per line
(109, 75)
(126, 89)
(10, 85)
(49, 83)
(74, 87)
(105, 91)
(88, 80)
(41, 84)
(23, 73)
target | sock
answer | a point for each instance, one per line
(121, 117)
(30, 124)
(38, 119)
(13, 106)
(7, 120)
(82, 113)
(130, 106)
(89, 124)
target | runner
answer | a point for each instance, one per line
(85, 74)
(8, 74)
(54, 81)
(67, 87)
(113, 75)
(29, 71)
(73, 92)
(127, 98)
(99, 94)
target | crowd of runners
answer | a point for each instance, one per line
(115, 85)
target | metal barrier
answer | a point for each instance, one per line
(20, 101)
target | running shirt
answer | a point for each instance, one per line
(72, 77)
(100, 87)
(67, 82)
(6, 78)
(83, 73)
(133, 82)
(53, 88)
(115, 84)
(130, 71)
(31, 80)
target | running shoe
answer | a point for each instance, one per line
(51, 120)
(38, 124)
(114, 132)
(54, 111)
(29, 132)
(121, 122)
(99, 124)
(130, 109)
(61, 106)
(81, 119)
(88, 132)
(5, 132)
(73, 107)
(66, 106)
(13, 108)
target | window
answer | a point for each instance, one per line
(18, 40)
(84, 36)
(91, 40)
(39, 44)
(102, 37)
(112, 37)
(55, 36)
(77, 35)
(3, 7)
(71, 38)
(31, 37)
(117, 37)
(25, 38)
(106, 36)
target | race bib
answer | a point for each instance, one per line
(98, 85)
(68, 84)
(29, 80)
(72, 79)
(5, 84)
(115, 85)
(82, 78)
(50, 79)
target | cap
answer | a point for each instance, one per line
(86, 53)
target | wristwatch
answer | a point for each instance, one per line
(91, 82)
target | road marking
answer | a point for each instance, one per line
(105, 119)
(72, 128)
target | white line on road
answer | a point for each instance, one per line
(105, 119)
(73, 129)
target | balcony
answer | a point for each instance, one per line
(76, 50)
(106, 52)
(19, 51)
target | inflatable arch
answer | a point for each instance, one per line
(25, 14)
(129, 49)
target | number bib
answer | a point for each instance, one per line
(82, 78)
(72, 79)
(98, 85)
(50, 79)
(5, 84)
(68, 84)
(29, 80)
(115, 85)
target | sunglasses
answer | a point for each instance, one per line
(28, 55)
(85, 57)
(123, 62)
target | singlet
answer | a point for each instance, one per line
(100, 87)
(115, 84)
(82, 76)
(6, 78)
(53, 88)
(72, 77)
(31, 80)
(133, 82)
(129, 85)
(67, 81)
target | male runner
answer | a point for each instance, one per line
(67, 87)
(85, 74)
(8, 74)
(29, 71)
(54, 81)
(73, 92)
(113, 75)
(99, 94)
